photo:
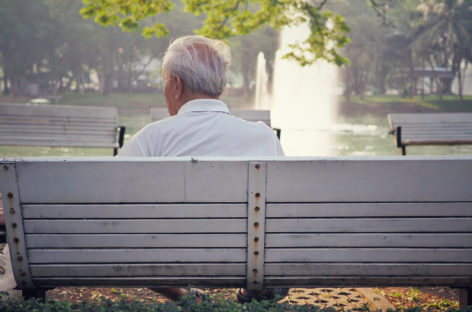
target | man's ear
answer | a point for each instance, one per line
(179, 87)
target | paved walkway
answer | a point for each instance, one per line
(342, 299)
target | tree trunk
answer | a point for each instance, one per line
(461, 82)
(16, 87)
(105, 82)
(6, 90)
(245, 74)
(446, 84)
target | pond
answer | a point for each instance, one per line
(365, 135)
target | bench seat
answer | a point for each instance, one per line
(430, 129)
(231, 222)
(56, 125)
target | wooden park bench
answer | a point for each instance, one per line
(55, 125)
(233, 222)
(253, 115)
(430, 129)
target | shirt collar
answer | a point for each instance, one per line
(204, 105)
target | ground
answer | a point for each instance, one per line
(430, 298)
(343, 299)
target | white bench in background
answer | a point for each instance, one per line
(56, 125)
(253, 115)
(430, 129)
(127, 222)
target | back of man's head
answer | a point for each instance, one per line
(200, 62)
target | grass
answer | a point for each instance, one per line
(450, 103)
(138, 100)
(188, 304)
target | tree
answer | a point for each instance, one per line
(21, 48)
(226, 18)
(244, 54)
(443, 35)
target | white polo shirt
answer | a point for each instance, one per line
(203, 127)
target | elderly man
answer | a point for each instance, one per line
(194, 72)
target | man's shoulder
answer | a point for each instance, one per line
(253, 125)
(161, 123)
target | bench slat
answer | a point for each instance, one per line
(424, 127)
(438, 128)
(365, 281)
(299, 281)
(438, 136)
(137, 226)
(437, 141)
(369, 181)
(147, 255)
(93, 128)
(81, 138)
(135, 240)
(430, 117)
(69, 121)
(161, 211)
(165, 181)
(62, 111)
(379, 269)
(214, 281)
(369, 255)
(64, 132)
(65, 143)
(346, 210)
(343, 180)
(145, 270)
(271, 270)
(369, 225)
(369, 240)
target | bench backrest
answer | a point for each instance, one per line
(432, 128)
(55, 125)
(158, 113)
(236, 222)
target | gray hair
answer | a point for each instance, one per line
(200, 62)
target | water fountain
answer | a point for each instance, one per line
(303, 103)
(303, 100)
(262, 100)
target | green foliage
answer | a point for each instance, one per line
(127, 14)
(227, 18)
(328, 34)
(414, 294)
(21, 47)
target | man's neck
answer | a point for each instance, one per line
(197, 96)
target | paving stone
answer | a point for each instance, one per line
(342, 299)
